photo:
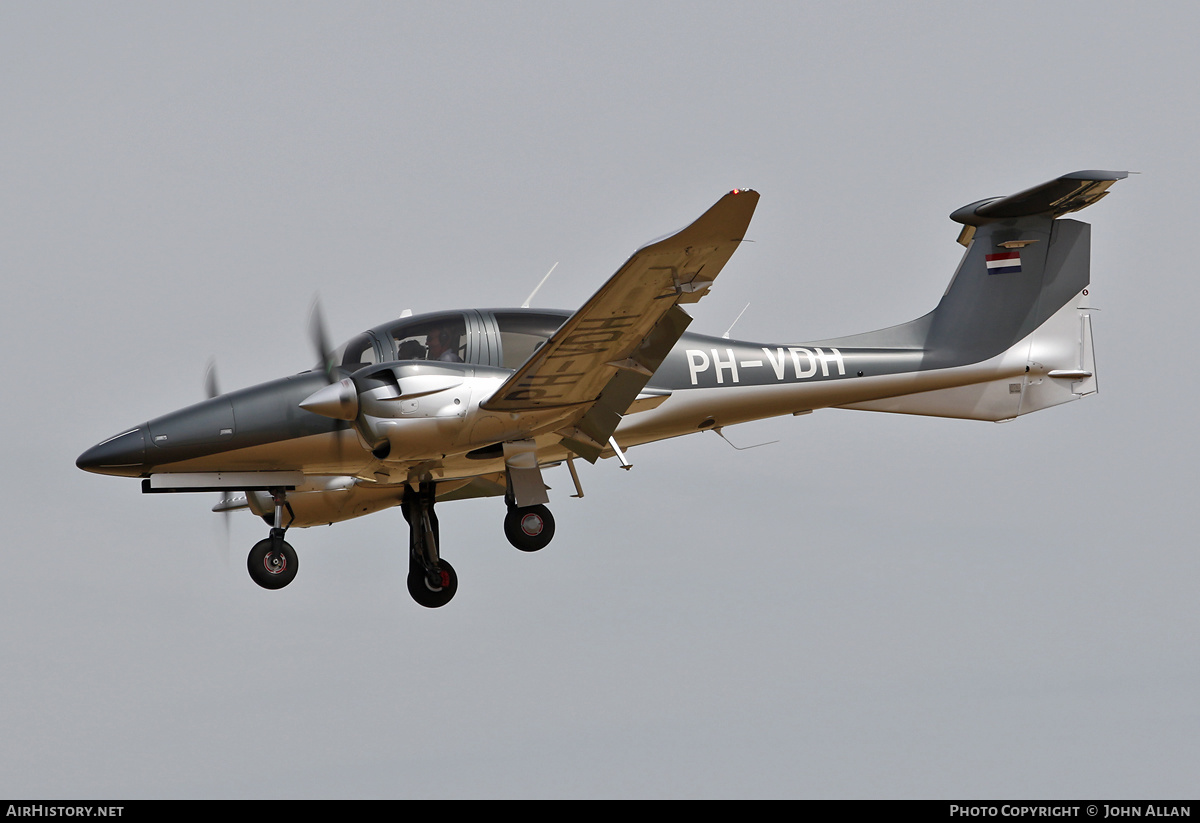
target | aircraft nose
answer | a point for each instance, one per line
(123, 454)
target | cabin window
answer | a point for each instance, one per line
(442, 338)
(521, 335)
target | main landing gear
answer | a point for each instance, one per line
(530, 528)
(432, 581)
(528, 525)
(272, 562)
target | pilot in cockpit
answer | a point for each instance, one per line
(442, 344)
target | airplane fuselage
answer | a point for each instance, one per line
(705, 382)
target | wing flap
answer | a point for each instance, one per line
(623, 388)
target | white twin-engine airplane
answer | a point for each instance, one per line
(476, 403)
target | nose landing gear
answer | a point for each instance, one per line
(273, 563)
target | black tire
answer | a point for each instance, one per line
(272, 570)
(418, 586)
(530, 528)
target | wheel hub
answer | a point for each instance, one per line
(532, 525)
(436, 580)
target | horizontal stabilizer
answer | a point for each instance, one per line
(1067, 194)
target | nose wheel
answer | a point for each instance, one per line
(530, 528)
(272, 563)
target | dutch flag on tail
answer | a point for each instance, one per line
(1005, 262)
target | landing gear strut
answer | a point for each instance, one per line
(272, 563)
(432, 581)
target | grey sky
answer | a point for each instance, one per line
(876, 606)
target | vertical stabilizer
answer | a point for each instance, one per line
(1013, 330)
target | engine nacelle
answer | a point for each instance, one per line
(423, 411)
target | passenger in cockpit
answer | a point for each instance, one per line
(411, 350)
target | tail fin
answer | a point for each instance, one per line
(1013, 326)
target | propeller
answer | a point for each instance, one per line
(210, 379)
(320, 339)
(339, 399)
(211, 390)
(223, 538)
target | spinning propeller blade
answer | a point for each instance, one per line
(320, 339)
(341, 395)
(211, 390)
(210, 379)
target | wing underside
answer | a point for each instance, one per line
(603, 356)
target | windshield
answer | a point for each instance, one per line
(355, 353)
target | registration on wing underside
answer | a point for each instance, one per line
(562, 371)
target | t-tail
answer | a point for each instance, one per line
(1013, 332)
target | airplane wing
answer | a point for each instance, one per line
(602, 357)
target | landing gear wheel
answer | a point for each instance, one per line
(429, 594)
(271, 567)
(530, 528)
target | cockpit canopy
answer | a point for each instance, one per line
(486, 337)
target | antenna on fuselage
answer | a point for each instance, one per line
(734, 323)
(717, 431)
(529, 299)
